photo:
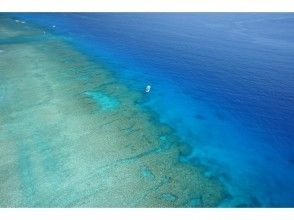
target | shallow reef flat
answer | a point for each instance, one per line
(72, 135)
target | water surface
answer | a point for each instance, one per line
(223, 82)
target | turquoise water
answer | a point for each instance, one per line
(72, 135)
(222, 83)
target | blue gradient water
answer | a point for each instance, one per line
(224, 82)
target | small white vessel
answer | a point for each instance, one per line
(148, 88)
(53, 26)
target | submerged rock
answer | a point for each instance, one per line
(195, 202)
(146, 172)
(169, 197)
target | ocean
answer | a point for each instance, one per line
(223, 82)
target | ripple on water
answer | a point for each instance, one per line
(200, 117)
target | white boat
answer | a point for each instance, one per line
(148, 88)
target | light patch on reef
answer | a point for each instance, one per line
(106, 102)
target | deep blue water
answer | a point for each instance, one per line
(224, 82)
